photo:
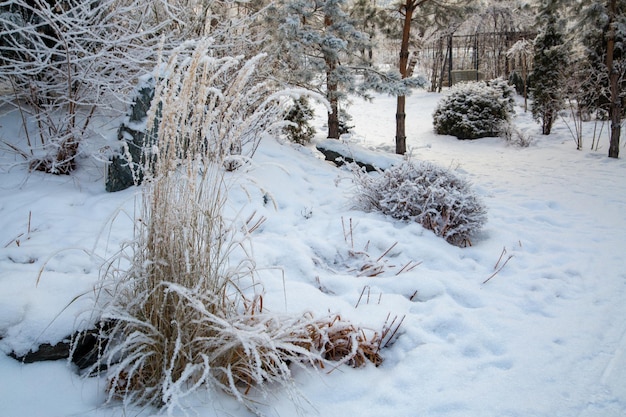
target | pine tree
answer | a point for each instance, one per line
(440, 11)
(369, 18)
(602, 25)
(300, 114)
(551, 57)
(317, 46)
(314, 38)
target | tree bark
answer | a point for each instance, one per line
(401, 126)
(548, 121)
(408, 7)
(331, 91)
(525, 80)
(333, 115)
(615, 107)
(331, 96)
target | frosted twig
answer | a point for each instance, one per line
(367, 287)
(499, 269)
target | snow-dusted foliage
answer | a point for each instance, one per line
(516, 137)
(522, 52)
(474, 110)
(63, 60)
(300, 115)
(594, 22)
(593, 92)
(551, 63)
(317, 46)
(436, 198)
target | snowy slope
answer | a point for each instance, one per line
(545, 336)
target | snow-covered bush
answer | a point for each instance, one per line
(436, 198)
(475, 110)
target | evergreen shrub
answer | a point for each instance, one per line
(300, 115)
(436, 198)
(475, 110)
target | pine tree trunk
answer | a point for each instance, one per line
(331, 90)
(412, 64)
(333, 116)
(331, 96)
(525, 79)
(408, 7)
(401, 126)
(548, 120)
(615, 108)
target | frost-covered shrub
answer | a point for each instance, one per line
(516, 137)
(475, 110)
(436, 198)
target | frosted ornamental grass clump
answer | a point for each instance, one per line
(187, 312)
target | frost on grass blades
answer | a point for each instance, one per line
(220, 104)
(434, 197)
(188, 312)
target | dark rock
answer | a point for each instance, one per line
(84, 348)
(45, 352)
(126, 167)
(89, 346)
(339, 159)
(340, 153)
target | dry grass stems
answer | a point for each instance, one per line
(186, 312)
(340, 342)
(498, 267)
(361, 263)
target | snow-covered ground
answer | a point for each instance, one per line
(529, 321)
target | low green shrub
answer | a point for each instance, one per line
(300, 115)
(475, 110)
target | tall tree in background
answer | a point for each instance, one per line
(406, 9)
(437, 12)
(367, 17)
(602, 25)
(551, 57)
(615, 109)
(314, 38)
(318, 47)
